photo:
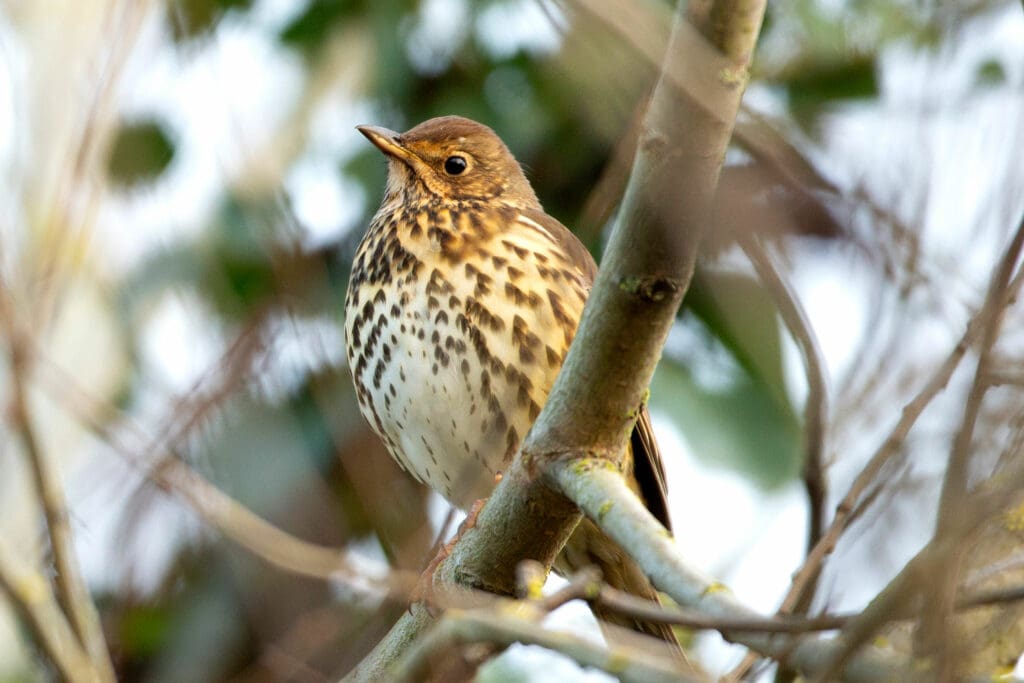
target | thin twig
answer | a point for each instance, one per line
(935, 625)
(911, 412)
(816, 407)
(31, 594)
(72, 593)
(507, 626)
(219, 510)
(917, 576)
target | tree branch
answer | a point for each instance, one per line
(603, 495)
(503, 627)
(802, 580)
(816, 406)
(645, 272)
(936, 626)
(31, 594)
(72, 593)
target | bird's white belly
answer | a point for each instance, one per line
(455, 367)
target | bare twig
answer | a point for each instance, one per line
(816, 406)
(216, 508)
(936, 626)
(507, 626)
(31, 594)
(992, 313)
(802, 580)
(72, 593)
(917, 577)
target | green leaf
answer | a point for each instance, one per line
(141, 152)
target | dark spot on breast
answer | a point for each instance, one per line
(516, 249)
(476, 312)
(511, 443)
(483, 285)
(517, 295)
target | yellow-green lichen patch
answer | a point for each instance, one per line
(716, 587)
(733, 77)
(1013, 519)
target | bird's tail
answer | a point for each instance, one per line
(589, 546)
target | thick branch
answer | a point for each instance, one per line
(646, 270)
(650, 259)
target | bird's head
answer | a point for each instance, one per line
(454, 158)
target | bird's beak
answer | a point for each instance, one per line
(385, 140)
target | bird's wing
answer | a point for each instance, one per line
(564, 238)
(649, 470)
(647, 465)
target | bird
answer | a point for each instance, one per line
(463, 299)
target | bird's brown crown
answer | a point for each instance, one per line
(454, 158)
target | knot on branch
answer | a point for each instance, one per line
(653, 288)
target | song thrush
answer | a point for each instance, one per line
(463, 300)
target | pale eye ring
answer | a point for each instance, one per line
(455, 165)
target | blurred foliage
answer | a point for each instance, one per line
(141, 151)
(193, 18)
(564, 115)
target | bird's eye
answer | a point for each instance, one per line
(454, 165)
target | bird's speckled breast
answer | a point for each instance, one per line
(456, 326)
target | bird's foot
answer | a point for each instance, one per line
(424, 591)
